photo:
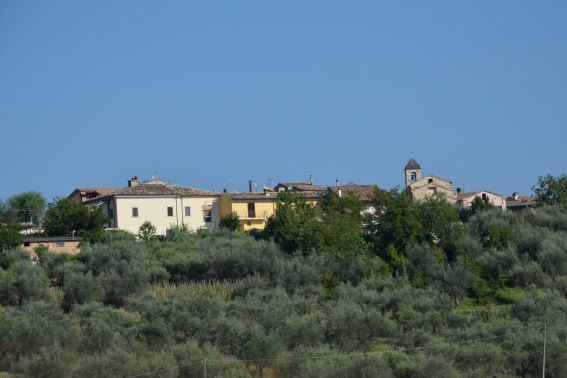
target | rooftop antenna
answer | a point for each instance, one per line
(228, 184)
(269, 183)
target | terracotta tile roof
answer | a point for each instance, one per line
(462, 195)
(361, 192)
(271, 196)
(520, 201)
(156, 187)
(53, 239)
(100, 191)
(300, 186)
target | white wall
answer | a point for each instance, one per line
(154, 209)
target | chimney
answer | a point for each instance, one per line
(311, 179)
(133, 182)
(337, 182)
(250, 185)
(458, 190)
(224, 190)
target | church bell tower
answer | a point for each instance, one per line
(412, 171)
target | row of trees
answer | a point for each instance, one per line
(406, 290)
(62, 217)
(122, 307)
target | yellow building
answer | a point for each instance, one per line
(254, 209)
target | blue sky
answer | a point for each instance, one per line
(213, 94)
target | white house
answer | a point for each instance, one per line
(163, 204)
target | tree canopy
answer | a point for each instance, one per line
(63, 216)
(551, 190)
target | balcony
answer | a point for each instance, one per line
(252, 214)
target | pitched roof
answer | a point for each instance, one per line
(156, 187)
(249, 196)
(99, 191)
(463, 195)
(300, 186)
(520, 201)
(412, 164)
(361, 192)
(53, 239)
(431, 176)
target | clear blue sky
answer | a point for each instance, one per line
(92, 93)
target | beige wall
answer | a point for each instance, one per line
(494, 199)
(70, 247)
(429, 186)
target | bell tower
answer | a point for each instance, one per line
(412, 171)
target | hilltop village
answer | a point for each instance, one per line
(165, 204)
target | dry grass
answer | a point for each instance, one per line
(219, 288)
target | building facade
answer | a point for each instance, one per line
(421, 188)
(164, 205)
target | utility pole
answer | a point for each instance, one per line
(544, 341)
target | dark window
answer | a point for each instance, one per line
(169, 211)
(413, 176)
(187, 211)
(60, 244)
(26, 244)
(251, 210)
(430, 181)
(135, 212)
(484, 196)
(207, 216)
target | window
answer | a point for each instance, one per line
(187, 211)
(430, 181)
(169, 211)
(251, 210)
(207, 216)
(135, 212)
(60, 244)
(413, 177)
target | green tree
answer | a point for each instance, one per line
(147, 232)
(480, 204)
(290, 224)
(337, 227)
(64, 216)
(27, 206)
(230, 221)
(10, 238)
(551, 190)
(440, 221)
(395, 221)
(7, 218)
